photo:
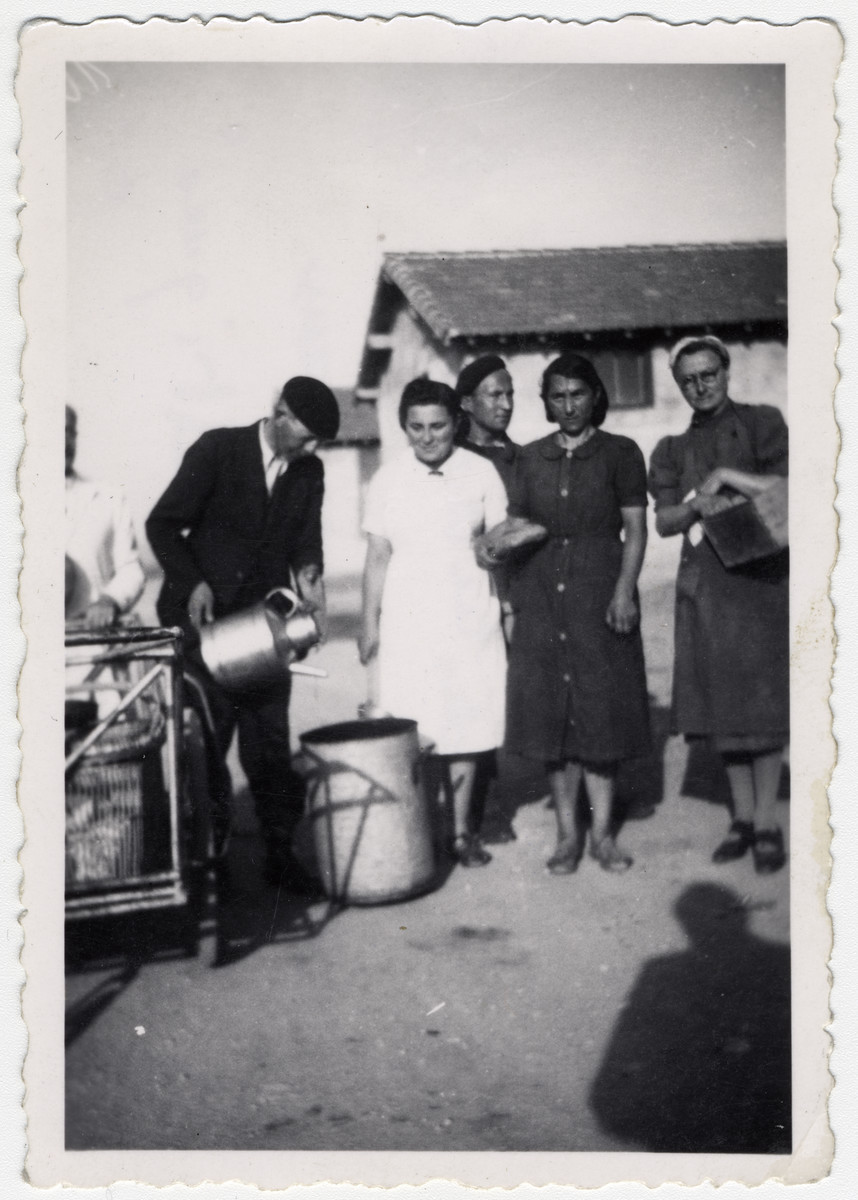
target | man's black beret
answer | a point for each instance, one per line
(313, 403)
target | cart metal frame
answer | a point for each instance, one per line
(159, 653)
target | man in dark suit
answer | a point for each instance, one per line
(243, 515)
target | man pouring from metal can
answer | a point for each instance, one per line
(243, 516)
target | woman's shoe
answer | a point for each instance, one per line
(468, 851)
(769, 852)
(609, 856)
(500, 836)
(565, 859)
(737, 843)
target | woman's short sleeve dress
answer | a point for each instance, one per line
(731, 665)
(442, 660)
(576, 690)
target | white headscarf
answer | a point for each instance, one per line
(699, 339)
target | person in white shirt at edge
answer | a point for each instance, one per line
(103, 574)
(430, 613)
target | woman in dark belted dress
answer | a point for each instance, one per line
(576, 688)
(731, 668)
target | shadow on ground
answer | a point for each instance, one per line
(122, 944)
(250, 915)
(232, 902)
(81, 1014)
(128, 939)
(640, 781)
(699, 1061)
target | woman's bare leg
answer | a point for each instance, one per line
(462, 772)
(468, 851)
(600, 793)
(564, 782)
(769, 851)
(766, 770)
(741, 779)
(740, 836)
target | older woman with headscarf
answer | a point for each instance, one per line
(429, 612)
(731, 671)
(576, 689)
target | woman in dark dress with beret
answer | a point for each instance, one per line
(731, 667)
(576, 689)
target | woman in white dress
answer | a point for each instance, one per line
(430, 612)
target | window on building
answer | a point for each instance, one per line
(627, 374)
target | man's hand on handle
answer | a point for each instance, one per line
(201, 605)
(312, 588)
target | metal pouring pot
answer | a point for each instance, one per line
(260, 644)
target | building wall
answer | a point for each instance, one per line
(413, 355)
(758, 375)
(348, 470)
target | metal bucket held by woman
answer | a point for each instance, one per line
(367, 805)
(259, 644)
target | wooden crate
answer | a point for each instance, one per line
(107, 814)
(751, 529)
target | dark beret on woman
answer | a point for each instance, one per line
(427, 391)
(574, 366)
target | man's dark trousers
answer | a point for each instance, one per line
(261, 718)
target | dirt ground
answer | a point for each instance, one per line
(505, 1010)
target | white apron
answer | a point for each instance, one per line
(442, 660)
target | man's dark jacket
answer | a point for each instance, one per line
(504, 457)
(216, 522)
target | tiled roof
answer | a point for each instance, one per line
(593, 290)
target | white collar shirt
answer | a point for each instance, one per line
(101, 543)
(272, 464)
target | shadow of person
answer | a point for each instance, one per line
(699, 1060)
